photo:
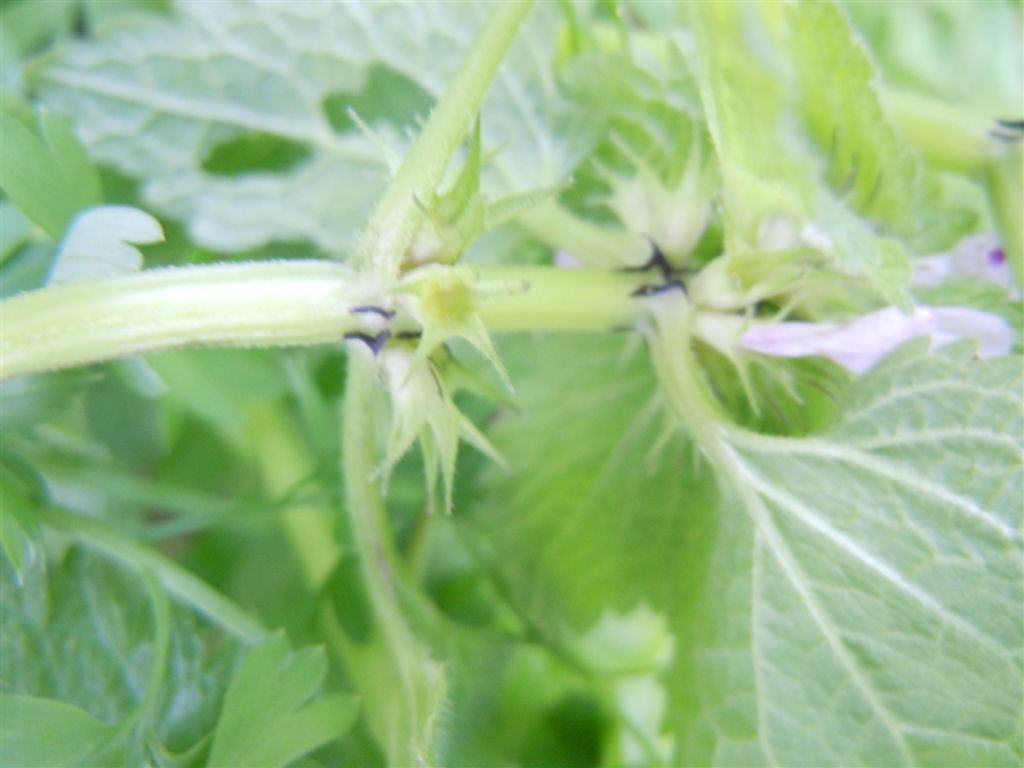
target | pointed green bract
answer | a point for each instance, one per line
(649, 162)
(422, 409)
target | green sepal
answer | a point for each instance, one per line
(422, 408)
(454, 218)
(446, 306)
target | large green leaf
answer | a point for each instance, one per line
(887, 562)
(851, 598)
(585, 519)
(227, 109)
(87, 636)
(965, 53)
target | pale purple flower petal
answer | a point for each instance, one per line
(859, 345)
(992, 332)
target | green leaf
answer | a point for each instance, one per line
(851, 598)
(50, 178)
(29, 400)
(99, 242)
(743, 103)
(268, 719)
(46, 732)
(16, 529)
(966, 54)
(83, 632)
(159, 97)
(866, 161)
(15, 229)
(591, 517)
(887, 558)
(775, 198)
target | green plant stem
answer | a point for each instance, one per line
(947, 135)
(175, 579)
(279, 303)
(595, 245)
(409, 717)
(398, 214)
(252, 304)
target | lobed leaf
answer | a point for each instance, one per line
(268, 718)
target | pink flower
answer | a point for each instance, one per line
(859, 345)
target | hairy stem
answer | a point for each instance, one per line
(405, 723)
(278, 303)
(254, 304)
(394, 222)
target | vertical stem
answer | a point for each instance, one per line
(409, 719)
(398, 214)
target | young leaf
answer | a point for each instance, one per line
(743, 103)
(268, 718)
(865, 160)
(774, 199)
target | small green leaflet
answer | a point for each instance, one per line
(48, 176)
(268, 718)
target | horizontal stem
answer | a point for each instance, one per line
(552, 299)
(248, 304)
(283, 303)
